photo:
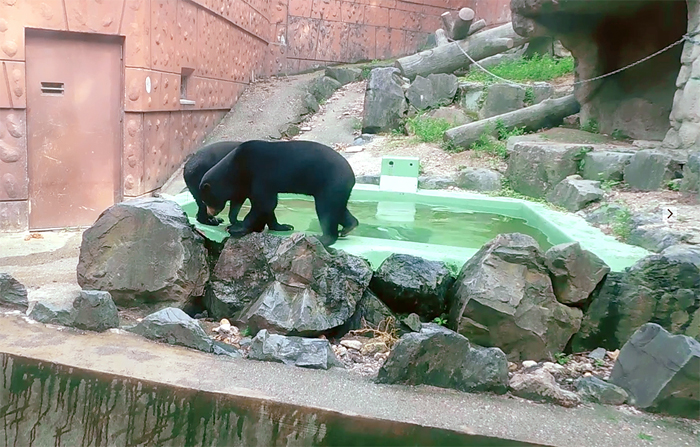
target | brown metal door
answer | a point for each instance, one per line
(74, 85)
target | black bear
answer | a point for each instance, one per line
(198, 165)
(259, 170)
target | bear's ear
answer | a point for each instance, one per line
(204, 188)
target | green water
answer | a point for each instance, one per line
(414, 222)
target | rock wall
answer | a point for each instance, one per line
(315, 33)
(606, 36)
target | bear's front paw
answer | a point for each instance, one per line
(282, 227)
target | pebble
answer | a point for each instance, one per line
(305, 128)
(597, 354)
(352, 344)
(529, 363)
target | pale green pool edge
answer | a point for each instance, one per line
(559, 227)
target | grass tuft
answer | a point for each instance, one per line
(538, 68)
(427, 129)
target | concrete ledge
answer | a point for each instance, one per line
(118, 389)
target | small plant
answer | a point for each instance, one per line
(608, 185)
(598, 363)
(245, 332)
(622, 224)
(645, 437)
(562, 358)
(427, 129)
(529, 97)
(356, 124)
(674, 185)
(619, 134)
(537, 68)
(590, 126)
(496, 145)
(441, 320)
(365, 72)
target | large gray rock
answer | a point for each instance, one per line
(502, 98)
(540, 386)
(479, 179)
(12, 292)
(664, 288)
(430, 182)
(471, 96)
(534, 167)
(453, 115)
(52, 312)
(655, 238)
(143, 251)
(650, 170)
(660, 371)
(385, 103)
(420, 93)
(313, 353)
(604, 166)
(440, 357)
(370, 309)
(94, 310)
(324, 87)
(575, 272)
(409, 284)
(344, 75)
(691, 173)
(596, 390)
(605, 214)
(304, 289)
(241, 274)
(573, 193)
(503, 297)
(541, 91)
(444, 88)
(173, 326)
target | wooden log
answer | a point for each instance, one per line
(449, 58)
(548, 113)
(462, 23)
(441, 37)
(477, 26)
(448, 21)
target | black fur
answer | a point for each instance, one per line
(198, 165)
(260, 170)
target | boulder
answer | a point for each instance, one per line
(541, 91)
(303, 289)
(503, 297)
(311, 103)
(370, 309)
(593, 389)
(655, 238)
(535, 167)
(444, 88)
(605, 166)
(471, 96)
(650, 170)
(173, 326)
(440, 357)
(479, 179)
(409, 283)
(385, 103)
(573, 193)
(453, 115)
(344, 75)
(324, 87)
(540, 386)
(241, 274)
(420, 94)
(94, 310)
(425, 182)
(502, 98)
(143, 251)
(221, 348)
(412, 322)
(605, 214)
(12, 292)
(575, 272)
(52, 312)
(660, 371)
(691, 174)
(313, 353)
(663, 288)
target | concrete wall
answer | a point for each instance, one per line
(314, 33)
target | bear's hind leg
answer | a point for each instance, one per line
(329, 215)
(349, 223)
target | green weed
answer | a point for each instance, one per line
(674, 185)
(496, 145)
(622, 224)
(590, 126)
(245, 332)
(441, 320)
(608, 185)
(538, 68)
(562, 358)
(356, 124)
(598, 363)
(618, 134)
(529, 97)
(645, 437)
(426, 129)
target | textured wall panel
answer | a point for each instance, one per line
(136, 98)
(13, 155)
(156, 130)
(376, 15)
(136, 26)
(415, 41)
(300, 8)
(170, 91)
(326, 10)
(47, 14)
(330, 41)
(94, 16)
(14, 74)
(410, 21)
(352, 12)
(133, 156)
(176, 143)
(302, 34)
(359, 44)
(163, 42)
(187, 34)
(398, 42)
(14, 216)
(278, 11)
(12, 30)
